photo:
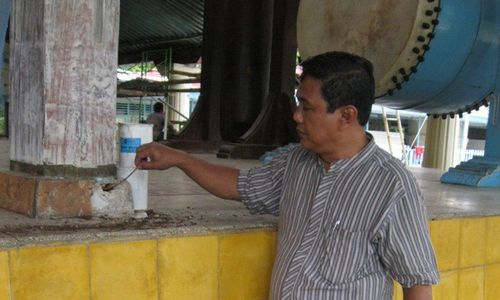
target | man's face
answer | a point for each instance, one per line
(317, 128)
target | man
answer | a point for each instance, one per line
(351, 217)
(157, 118)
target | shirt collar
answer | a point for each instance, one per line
(357, 159)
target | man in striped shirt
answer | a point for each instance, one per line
(351, 217)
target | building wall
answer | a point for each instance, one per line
(222, 266)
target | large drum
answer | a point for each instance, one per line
(439, 57)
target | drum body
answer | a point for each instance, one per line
(439, 57)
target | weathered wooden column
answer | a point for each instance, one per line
(63, 88)
(247, 79)
(235, 72)
(441, 142)
(274, 126)
(4, 25)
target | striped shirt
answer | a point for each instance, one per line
(345, 233)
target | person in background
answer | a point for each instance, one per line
(157, 118)
(351, 216)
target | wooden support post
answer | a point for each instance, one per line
(247, 80)
(63, 88)
(440, 143)
(274, 125)
(386, 127)
(401, 138)
(4, 64)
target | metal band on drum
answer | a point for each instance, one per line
(453, 44)
(394, 35)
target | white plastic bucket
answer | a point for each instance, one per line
(131, 137)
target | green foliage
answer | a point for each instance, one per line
(138, 68)
(298, 59)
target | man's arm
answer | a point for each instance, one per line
(219, 180)
(418, 292)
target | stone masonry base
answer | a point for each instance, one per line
(45, 197)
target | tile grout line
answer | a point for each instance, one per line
(460, 243)
(484, 294)
(9, 267)
(485, 250)
(459, 257)
(87, 248)
(158, 285)
(219, 296)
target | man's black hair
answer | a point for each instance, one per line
(158, 107)
(347, 79)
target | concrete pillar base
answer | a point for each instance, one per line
(43, 197)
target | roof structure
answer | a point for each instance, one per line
(150, 26)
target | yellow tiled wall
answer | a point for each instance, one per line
(123, 270)
(42, 272)
(220, 267)
(233, 266)
(189, 268)
(245, 266)
(468, 255)
(4, 275)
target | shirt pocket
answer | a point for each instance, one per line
(343, 255)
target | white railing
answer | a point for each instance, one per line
(469, 154)
(415, 157)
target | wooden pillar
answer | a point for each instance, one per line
(441, 143)
(63, 86)
(284, 48)
(4, 64)
(247, 77)
(235, 73)
(63, 61)
(245, 80)
(204, 127)
(274, 125)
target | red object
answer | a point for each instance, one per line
(419, 150)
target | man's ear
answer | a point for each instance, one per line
(348, 115)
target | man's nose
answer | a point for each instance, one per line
(297, 114)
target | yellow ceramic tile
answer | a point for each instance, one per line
(245, 264)
(447, 289)
(492, 240)
(50, 273)
(124, 270)
(445, 238)
(471, 284)
(492, 282)
(472, 242)
(398, 292)
(4, 276)
(188, 268)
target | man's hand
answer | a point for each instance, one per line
(155, 156)
(219, 180)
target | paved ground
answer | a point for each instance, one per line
(179, 206)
